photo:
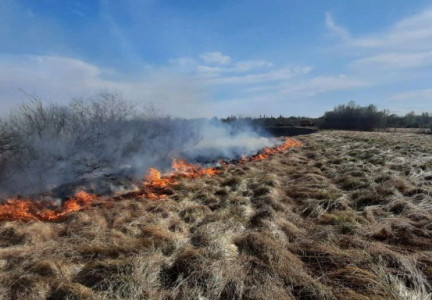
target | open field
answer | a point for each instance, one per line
(346, 216)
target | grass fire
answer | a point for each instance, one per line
(154, 187)
(215, 150)
(328, 215)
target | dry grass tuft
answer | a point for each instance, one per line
(346, 216)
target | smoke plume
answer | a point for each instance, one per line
(45, 146)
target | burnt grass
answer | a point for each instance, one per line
(346, 216)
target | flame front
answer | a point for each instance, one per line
(27, 209)
(155, 186)
(268, 151)
(185, 169)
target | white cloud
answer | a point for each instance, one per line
(59, 79)
(189, 64)
(417, 100)
(274, 75)
(398, 56)
(178, 89)
(401, 52)
(238, 67)
(323, 84)
(413, 33)
(312, 86)
(235, 72)
(337, 30)
(296, 97)
(122, 41)
(59, 75)
(183, 64)
(420, 94)
(209, 71)
(392, 60)
(215, 58)
(258, 86)
(248, 65)
(280, 74)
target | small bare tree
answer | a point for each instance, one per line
(45, 144)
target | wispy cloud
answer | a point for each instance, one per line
(244, 66)
(337, 30)
(60, 79)
(406, 44)
(124, 44)
(420, 94)
(215, 58)
(395, 60)
(405, 51)
(323, 84)
(411, 34)
(262, 77)
(237, 67)
(219, 69)
(417, 100)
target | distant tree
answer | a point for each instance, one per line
(353, 117)
(349, 116)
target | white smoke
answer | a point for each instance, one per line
(220, 140)
(44, 146)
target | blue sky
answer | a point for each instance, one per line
(216, 58)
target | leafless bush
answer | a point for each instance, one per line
(47, 144)
(10, 148)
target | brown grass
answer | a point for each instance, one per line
(346, 216)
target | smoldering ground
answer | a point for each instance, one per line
(43, 146)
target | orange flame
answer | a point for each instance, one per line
(27, 209)
(188, 170)
(268, 151)
(155, 186)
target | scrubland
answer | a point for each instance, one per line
(346, 216)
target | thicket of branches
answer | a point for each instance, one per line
(42, 145)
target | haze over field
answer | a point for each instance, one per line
(201, 58)
(242, 149)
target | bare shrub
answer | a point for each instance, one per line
(44, 145)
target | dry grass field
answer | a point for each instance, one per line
(346, 216)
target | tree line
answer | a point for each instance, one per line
(347, 117)
(367, 118)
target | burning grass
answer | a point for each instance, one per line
(155, 187)
(345, 216)
(44, 210)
